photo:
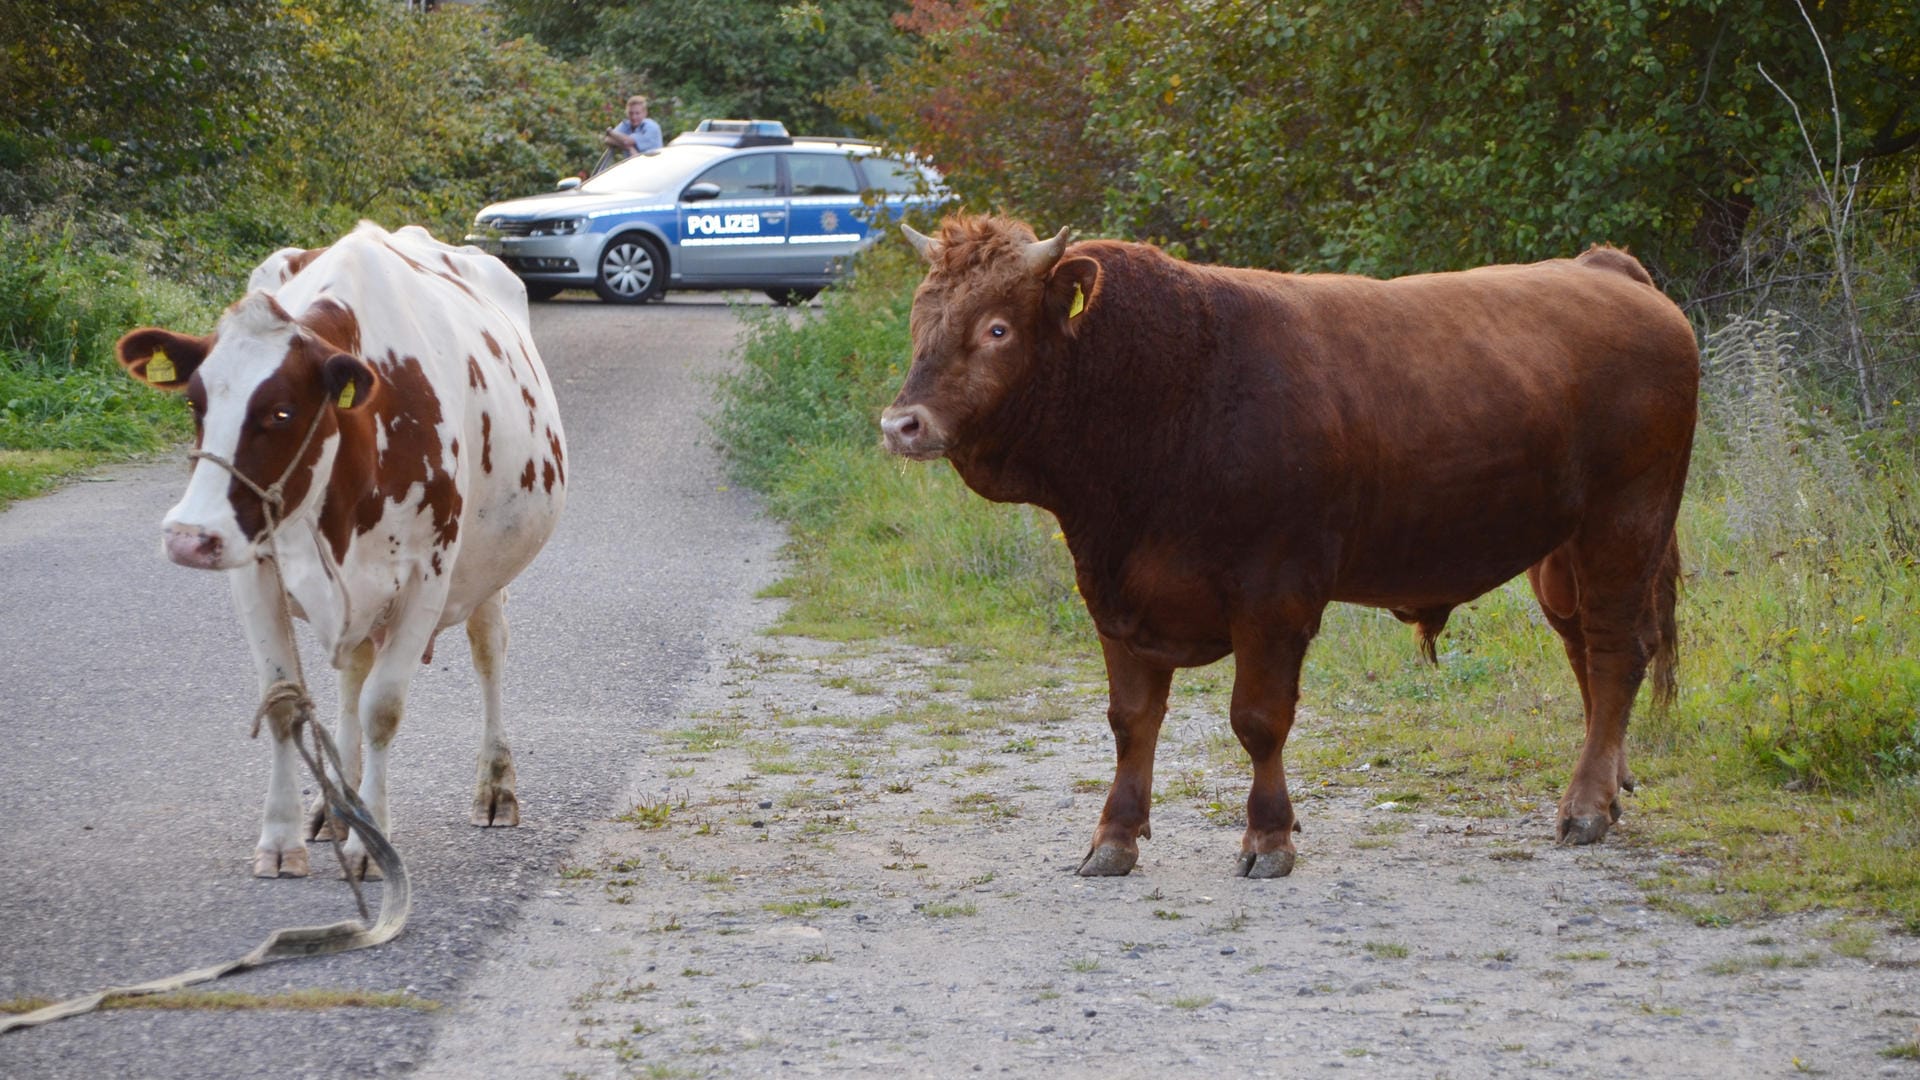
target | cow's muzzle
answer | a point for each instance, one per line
(909, 432)
(195, 547)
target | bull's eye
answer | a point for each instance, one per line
(998, 330)
(280, 416)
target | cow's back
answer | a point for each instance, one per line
(469, 471)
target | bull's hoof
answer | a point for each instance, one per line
(1272, 864)
(1108, 860)
(1586, 828)
(276, 864)
(495, 809)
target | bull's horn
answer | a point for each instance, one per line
(1042, 254)
(927, 246)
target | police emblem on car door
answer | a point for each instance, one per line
(733, 219)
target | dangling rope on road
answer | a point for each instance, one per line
(285, 699)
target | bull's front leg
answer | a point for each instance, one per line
(281, 851)
(1137, 703)
(1266, 688)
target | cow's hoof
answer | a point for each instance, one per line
(358, 867)
(1108, 860)
(319, 825)
(498, 809)
(1586, 828)
(1273, 864)
(275, 864)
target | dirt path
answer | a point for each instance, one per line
(841, 865)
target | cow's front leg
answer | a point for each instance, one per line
(280, 852)
(1266, 687)
(1136, 704)
(494, 802)
(353, 679)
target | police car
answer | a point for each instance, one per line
(733, 204)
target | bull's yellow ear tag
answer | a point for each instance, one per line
(160, 368)
(1079, 302)
(346, 396)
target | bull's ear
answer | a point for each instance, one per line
(1073, 289)
(160, 358)
(350, 382)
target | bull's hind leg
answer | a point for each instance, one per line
(1614, 567)
(494, 802)
(1266, 688)
(1136, 704)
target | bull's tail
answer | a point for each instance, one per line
(1666, 594)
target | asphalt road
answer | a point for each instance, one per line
(132, 794)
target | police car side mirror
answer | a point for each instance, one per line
(568, 184)
(700, 192)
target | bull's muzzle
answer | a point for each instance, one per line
(909, 432)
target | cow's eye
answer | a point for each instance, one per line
(280, 416)
(998, 330)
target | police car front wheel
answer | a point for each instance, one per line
(632, 270)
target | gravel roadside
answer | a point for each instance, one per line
(840, 864)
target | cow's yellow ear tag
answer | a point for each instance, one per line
(346, 396)
(1079, 302)
(160, 369)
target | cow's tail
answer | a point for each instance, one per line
(1666, 594)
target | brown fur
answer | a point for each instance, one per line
(1228, 451)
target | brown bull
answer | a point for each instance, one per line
(1228, 451)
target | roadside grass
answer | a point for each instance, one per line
(65, 405)
(1786, 777)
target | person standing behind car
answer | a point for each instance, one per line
(636, 134)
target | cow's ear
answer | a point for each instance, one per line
(160, 358)
(1072, 290)
(350, 382)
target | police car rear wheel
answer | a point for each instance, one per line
(791, 297)
(632, 270)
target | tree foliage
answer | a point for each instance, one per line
(1393, 135)
(761, 58)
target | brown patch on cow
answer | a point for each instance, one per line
(266, 453)
(493, 346)
(546, 470)
(333, 322)
(475, 377)
(451, 267)
(455, 448)
(533, 410)
(423, 268)
(300, 262)
(559, 453)
(364, 482)
(437, 571)
(527, 475)
(486, 443)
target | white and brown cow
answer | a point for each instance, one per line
(392, 380)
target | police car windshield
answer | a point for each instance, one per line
(651, 173)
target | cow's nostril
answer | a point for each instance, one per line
(909, 426)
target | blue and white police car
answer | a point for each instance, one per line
(733, 204)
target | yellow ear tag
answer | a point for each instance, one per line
(159, 368)
(1079, 302)
(346, 396)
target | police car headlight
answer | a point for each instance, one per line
(557, 227)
